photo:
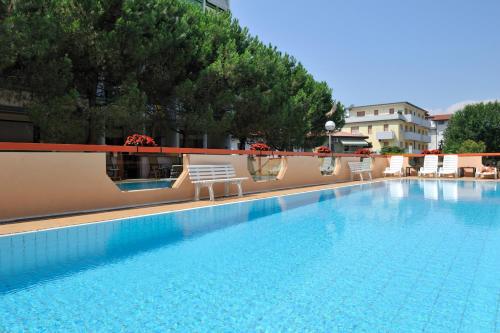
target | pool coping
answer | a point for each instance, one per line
(75, 220)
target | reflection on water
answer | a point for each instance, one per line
(32, 257)
(448, 190)
(26, 259)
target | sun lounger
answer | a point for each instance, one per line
(395, 166)
(430, 166)
(487, 172)
(450, 166)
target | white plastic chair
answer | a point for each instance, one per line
(430, 166)
(450, 166)
(395, 166)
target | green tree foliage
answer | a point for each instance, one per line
(477, 123)
(94, 67)
(469, 146)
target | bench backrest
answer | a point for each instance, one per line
(364, 166)
(209, 172)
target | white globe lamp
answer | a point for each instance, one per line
(330, 127)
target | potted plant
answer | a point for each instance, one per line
(141, 140)
(363, 151)
(323, 150)
(431, 151)
(259, 146)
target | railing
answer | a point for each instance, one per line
(417, 137)
(385, 135)
(56, 147)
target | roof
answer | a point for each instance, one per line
(441, 117)
(349, 135)
(404, 102)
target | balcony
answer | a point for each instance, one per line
(365, 119)
(385, 135)
(417, 120)
(412, 136)
(396, 116)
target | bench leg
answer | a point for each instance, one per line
(370, 175)
(197, 192)
(226, 189)
(240, 189)
(211, 192)
(361, 176)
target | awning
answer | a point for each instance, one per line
(354, 142)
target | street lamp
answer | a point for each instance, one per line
(330, 127)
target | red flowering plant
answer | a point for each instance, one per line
(140, 140)
(431, 151)
(260, 146)
(323, 150)
(363, 151)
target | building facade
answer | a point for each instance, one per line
(439, 123)
(344, 142)
(222, 5)
(400, 124)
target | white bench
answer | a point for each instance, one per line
(359, 168)
(208, 175)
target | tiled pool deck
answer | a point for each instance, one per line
(69, 220)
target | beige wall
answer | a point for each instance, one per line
(40, 184)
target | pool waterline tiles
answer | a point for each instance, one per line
(392, 256)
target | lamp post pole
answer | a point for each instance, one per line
(330, 127)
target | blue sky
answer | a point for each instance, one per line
(437, 54)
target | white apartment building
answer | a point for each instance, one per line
(400, 124)
(439, 123)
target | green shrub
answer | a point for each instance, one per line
(392, 150)
(470, 146)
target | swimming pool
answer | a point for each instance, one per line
(394, 256)
(150, 184)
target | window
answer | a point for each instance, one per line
(355, 129)
(369, 129)
(391, 111)
(401, 144)
(406, 144)
(386, 127)
(375, 112)
(401, 127)
(360, 114)
(386, 144)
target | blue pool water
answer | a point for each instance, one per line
(396, 256)
(144, 185)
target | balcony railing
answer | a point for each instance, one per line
(417, 120)
(385, 135)
(412, 136)
(355, 119)
(396, 116)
